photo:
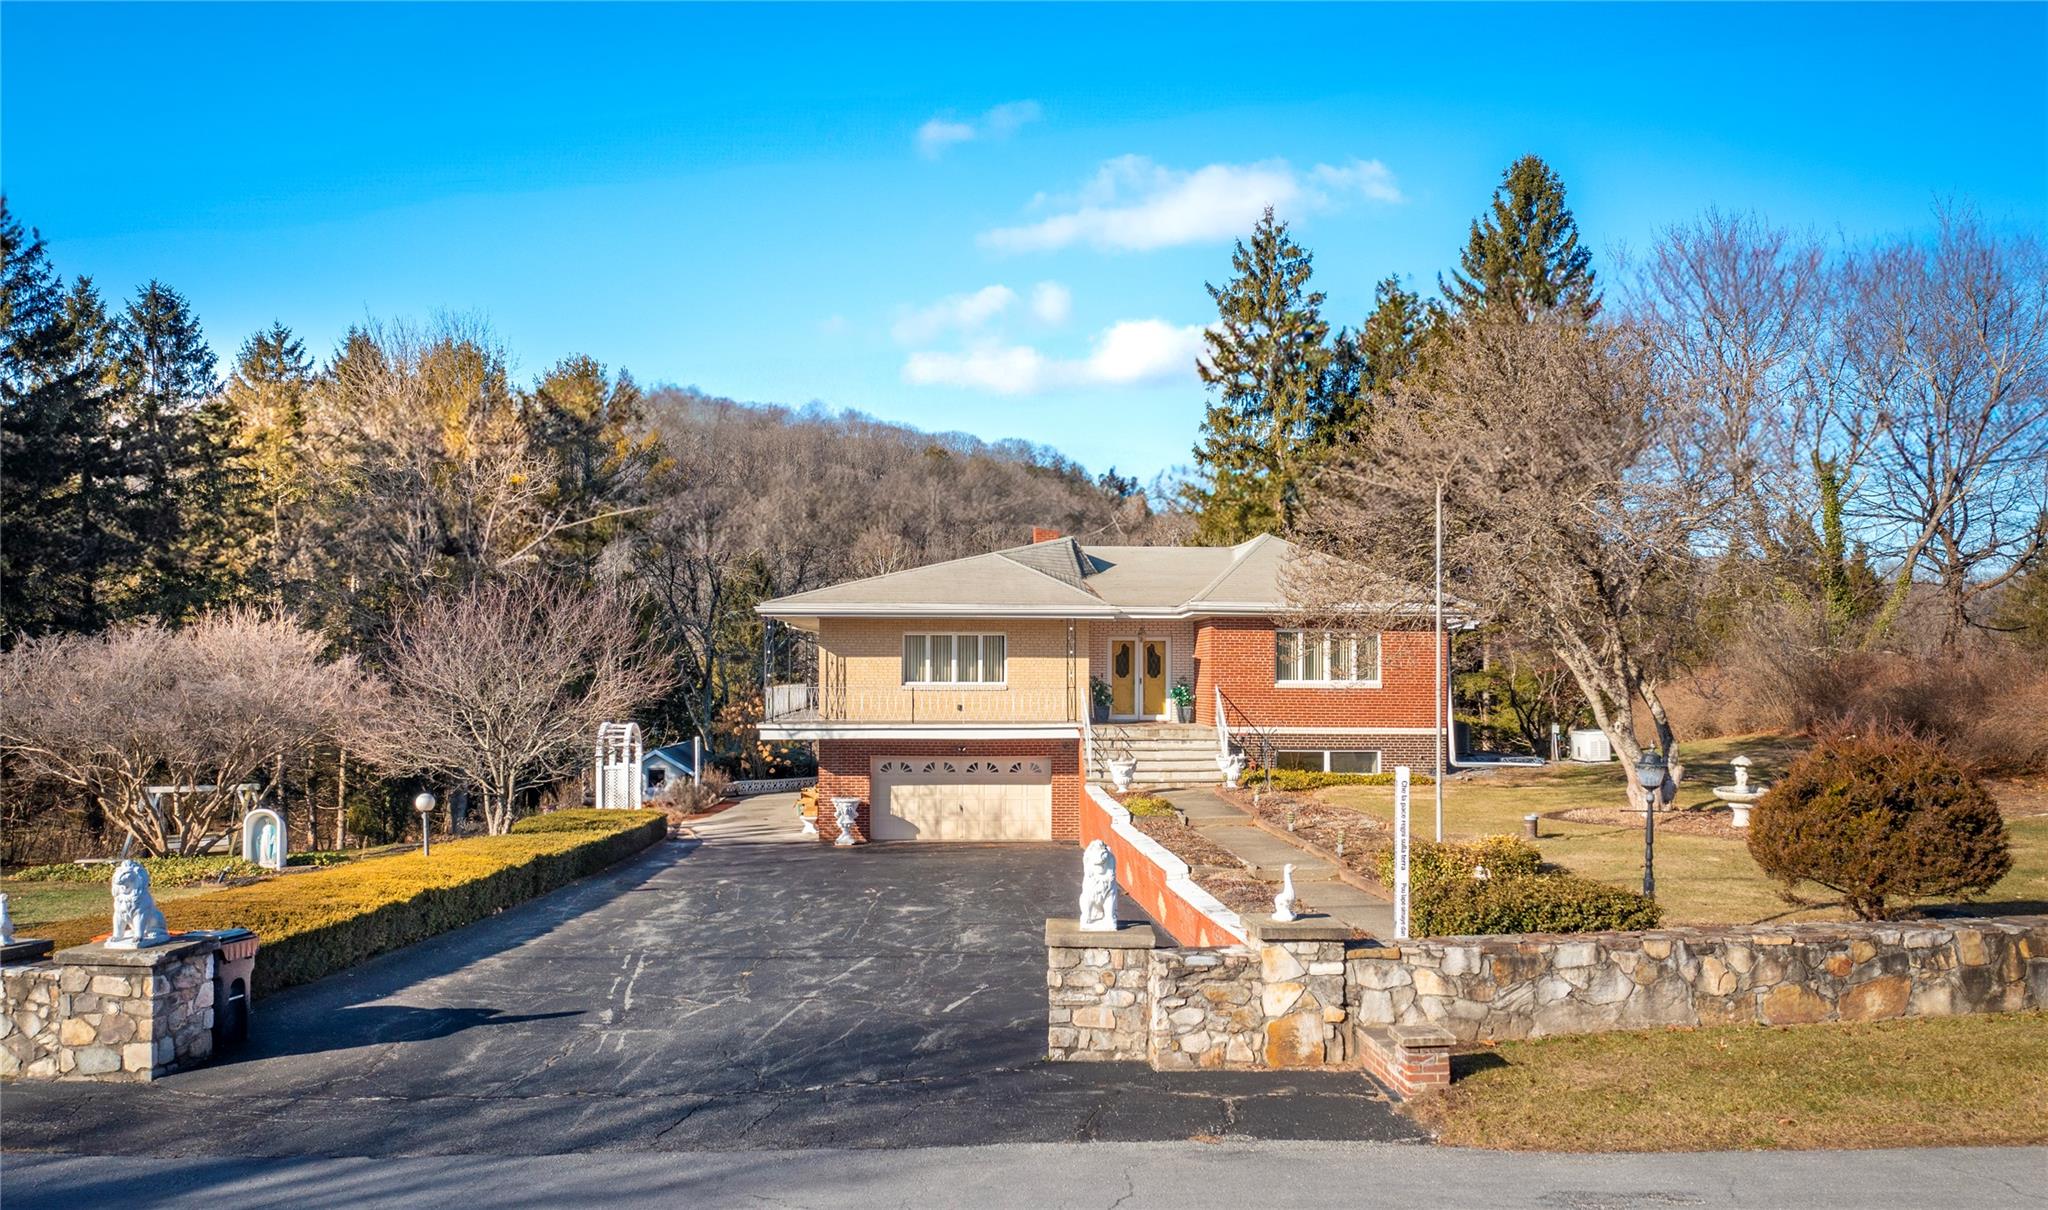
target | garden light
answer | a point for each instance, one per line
(423, 802)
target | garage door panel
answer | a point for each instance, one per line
(963, 800)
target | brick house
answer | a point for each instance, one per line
(961, 700)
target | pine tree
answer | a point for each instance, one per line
(1387, 347)
(267, 394)
(1268, 367)
(1523, 257)
(56, 442)
(584, 421)
(187, 489)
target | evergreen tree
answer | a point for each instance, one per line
(188, 489)
(60, 464)
(267, 394)
(1268, 367)
(1389, 346)
(1523, 257)
(587, 424)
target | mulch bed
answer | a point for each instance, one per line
(1322, 825)
(1712, 822)
(1186, 843)
(1244, 895)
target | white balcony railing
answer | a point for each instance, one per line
(921, 704)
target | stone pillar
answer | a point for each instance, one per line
(93, 1013)
(1095, 990)
(1301, 967)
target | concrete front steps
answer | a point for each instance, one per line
(1169, 755)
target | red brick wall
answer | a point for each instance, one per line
(1145, 883)
(1238, 654)
(844, 766)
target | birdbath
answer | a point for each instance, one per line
(1740, 796)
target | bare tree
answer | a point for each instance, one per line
(1949, 340)
(1575, 493)
(502, 688)
(212, 704)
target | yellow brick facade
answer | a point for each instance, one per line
(860, 672)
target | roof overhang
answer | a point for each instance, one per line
(909, 731)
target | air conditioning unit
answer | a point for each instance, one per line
(1591, 747)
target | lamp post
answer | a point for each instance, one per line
(1650, 774)
(423, 802)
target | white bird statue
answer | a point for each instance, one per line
(1283, 903)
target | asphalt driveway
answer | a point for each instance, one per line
(725, 993)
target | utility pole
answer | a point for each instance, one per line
(1443, 685)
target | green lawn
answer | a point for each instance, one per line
(1947, 1081)
(33, 903)
(1700, 879)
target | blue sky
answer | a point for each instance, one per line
(991, 219)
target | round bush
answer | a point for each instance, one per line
(1878, 819)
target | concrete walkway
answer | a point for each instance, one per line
(1315, 878)
(765, 819)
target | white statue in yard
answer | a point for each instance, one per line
(138, 922)
(263, 839)
(1283, 903)
(1098, 888)
(6, 923)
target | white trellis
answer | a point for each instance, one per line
(618, 782)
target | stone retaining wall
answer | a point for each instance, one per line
(93, 1013)
(1300, 995)
(1523, 987)
(1276, 1003)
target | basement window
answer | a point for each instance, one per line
(1328, 760)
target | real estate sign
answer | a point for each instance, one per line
(1400, 852)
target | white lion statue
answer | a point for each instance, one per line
(138, 922)
(1098, 888)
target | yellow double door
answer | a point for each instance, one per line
(1137, 678)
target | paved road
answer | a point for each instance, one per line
(1125, 1176)
(733, 992)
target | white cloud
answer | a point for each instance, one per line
(958, 312)
(1051, 302)
(939, 133)
(1132, 352)
(1134, 204)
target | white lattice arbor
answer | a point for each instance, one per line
(618, 782)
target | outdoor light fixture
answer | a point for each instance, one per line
(423, 802)
(1651, 772)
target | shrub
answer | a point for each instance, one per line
(1503, 857)
(163, 871)
(1149, 805)
(319, 857)
(583, 819)
(1527, 903)
(1315, 779)
(1880, 818)
(1445, 900)
(688, 798)
(314, 924)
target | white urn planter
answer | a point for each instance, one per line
(1122, 773)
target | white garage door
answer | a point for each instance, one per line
(928, 798)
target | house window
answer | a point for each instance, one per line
(1329, 760)
(955, 659)
(1322, 657)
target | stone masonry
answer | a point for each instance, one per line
(1301, 995)
(1276, 1003)
(93, 1013)
(1533, 986)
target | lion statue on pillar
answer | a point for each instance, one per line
(1098, 888)
(138, 922)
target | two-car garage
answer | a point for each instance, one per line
(960, 798)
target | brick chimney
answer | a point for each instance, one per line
(1040, 533)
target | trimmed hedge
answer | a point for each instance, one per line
(163, 871)
(1315, 779)
(1143, 805)
(315, 924)
(1517, 896)
(583, 819)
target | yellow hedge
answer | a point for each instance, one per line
(317, 923)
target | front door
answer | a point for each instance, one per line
(1137, 678)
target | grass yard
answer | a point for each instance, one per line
(33, 903)
(1948, 1081)
(1700, 879)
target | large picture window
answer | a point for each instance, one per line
(955, 659)
(1322, 657)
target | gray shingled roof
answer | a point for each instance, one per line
(1063, 578)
